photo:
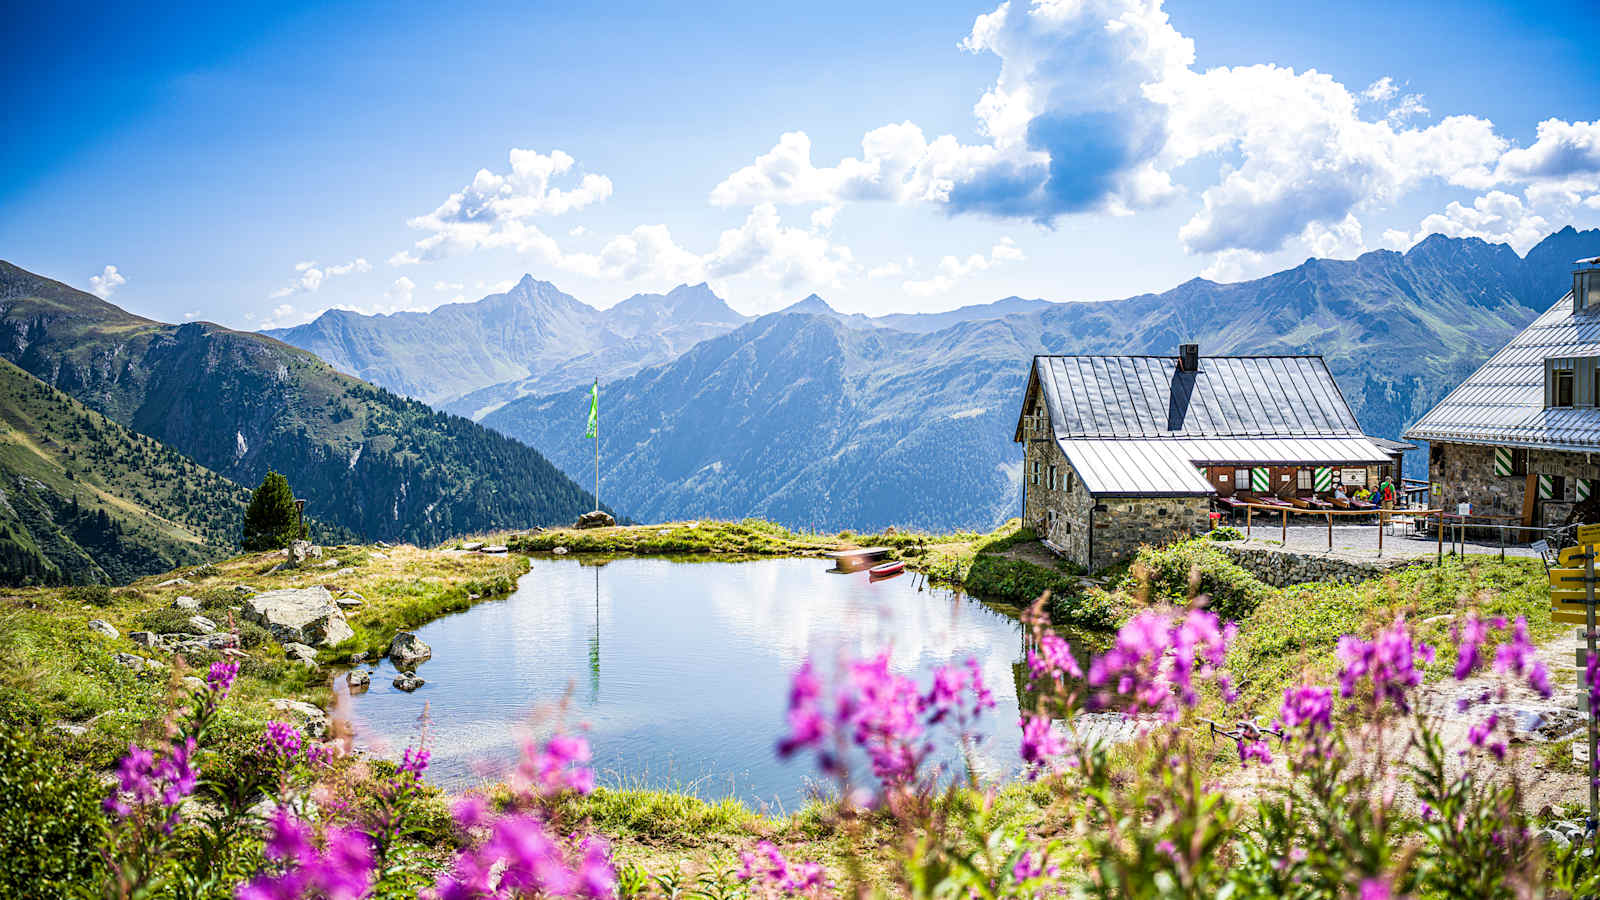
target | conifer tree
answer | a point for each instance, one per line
(271, 521)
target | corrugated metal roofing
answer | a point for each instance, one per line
(1503, 402)
(1135, 425)
(1168, 466)
(1146, 396)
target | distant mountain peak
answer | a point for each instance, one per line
(812, 305)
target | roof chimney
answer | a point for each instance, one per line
(1188, 357)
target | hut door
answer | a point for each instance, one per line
(1530, 498)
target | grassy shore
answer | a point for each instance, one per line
(66, 698)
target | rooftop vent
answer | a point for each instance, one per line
(1188, 357)
(1586, 285)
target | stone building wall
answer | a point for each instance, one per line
(1465, 472)
(1126, 523)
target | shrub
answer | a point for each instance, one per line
(1178, 572)
(165, 621)
(91, 594)
(1225, 533)
(1020, 583)
(50, 834)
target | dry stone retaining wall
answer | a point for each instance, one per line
(1281, 568)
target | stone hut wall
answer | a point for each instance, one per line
(1465, 472)
(1129, 522)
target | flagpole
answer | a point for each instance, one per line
(597, 447)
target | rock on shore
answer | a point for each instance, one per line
(299, 615)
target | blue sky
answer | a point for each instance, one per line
(254, 165)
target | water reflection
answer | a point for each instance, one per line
(689, 691)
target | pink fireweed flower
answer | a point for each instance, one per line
(555, 767)
(1039, 740)
(883, 712)
(949, 694)
(1520, 655)
(1470, 635)
(413, 763)
(1256, 749)
(1154, 658)
(767, 866)
(1308, 705)
(1390, 661)
(1053, 660)
(808, 727)
(341, 870)
(219, 678)
(146, 780)
(1480, 732)
(1376, 889)
(281, 740)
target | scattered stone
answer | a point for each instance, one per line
(71, 729)
(1442, 618)
(234, 652)
(245, 589)
(176, 582)
(328, 563)
(312, 719)
(299, 551)
(472, 545)
(560, 551)
(662, 532)
(358, 680)
(408, 681)
(595, 518)
(194, 683)
(378, 555)
(299, 615)
(220, 640)
(129, 661)
(1552, 836)
(300, 652)
(186, 603)
(358, 657)
(146, 638)
(474, 596)
(101, 626)
(202, 624)
(384, 544)
(494, 548)
(344, 571)
(1580, 754)
(407, 650)
(350, 601)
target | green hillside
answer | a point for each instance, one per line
(241, 404)
(84, 500)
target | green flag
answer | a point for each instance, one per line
(594, 412)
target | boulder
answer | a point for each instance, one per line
(358, 680)
(202, 625)
(299, 652)
(176, 582)
(407, 650)
(408, 681)
(245, 589)
(560, 551)
(313, 721)
(101, 626)
(350, 601)
(71, 729)
(299, 615)
(221, 640)
(384, 544)
(300, 551)
(129, 661)
(472, 545)
(145, 638)
(595, 518)
(493, 548)
(186, 603)
(194, 684)
(378, 554)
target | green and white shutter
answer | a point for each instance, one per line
(1547, 487)
(1322, 478)
(1260, 479)
(1584, 486)
(1502, 461)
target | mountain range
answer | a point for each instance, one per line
(818, 418)
(532, 339)
(240, 404)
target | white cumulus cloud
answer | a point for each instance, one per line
(104, 284)
(952, 269)
(309, 276)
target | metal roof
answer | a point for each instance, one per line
(1136, 425)
(1391, 446)
(1232, 396)
(1169, 467)
(1503, 402)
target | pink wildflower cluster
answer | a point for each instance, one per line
(1390, 660)
(522, 857)
(1156, 661)
(147, 780)
(340, 870)
(1053, 660)
(284, 743)
(882, 712)
(219, 678)
(766, 866)
(555, 767)
(1478, 735)
(1040, 742)
(1518, 656)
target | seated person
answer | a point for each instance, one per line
(1339, 494)
(1363, 495)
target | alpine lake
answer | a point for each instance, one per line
(678, 672)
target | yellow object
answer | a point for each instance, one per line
(1573, 556)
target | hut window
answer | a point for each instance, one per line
(1303, 480)
(1560, 387)
(1241, 479)
(1069, 480)
(1036, 472)
(1052, 484)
